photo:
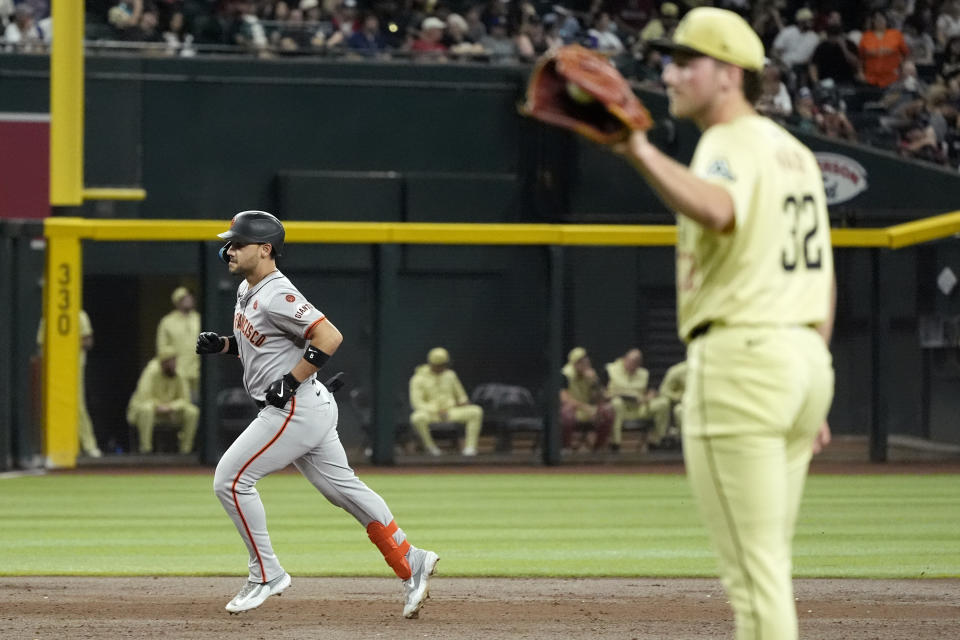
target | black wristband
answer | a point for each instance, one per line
(232, 346)
(315, 357)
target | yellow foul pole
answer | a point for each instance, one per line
(62, 290)
(66, 105)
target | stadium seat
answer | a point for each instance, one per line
(511, 409)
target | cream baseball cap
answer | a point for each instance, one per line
(438, 356)
(717, 33)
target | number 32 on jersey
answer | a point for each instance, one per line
(804, 238)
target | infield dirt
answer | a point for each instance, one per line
(462, 608)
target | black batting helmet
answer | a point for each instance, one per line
(254, 227)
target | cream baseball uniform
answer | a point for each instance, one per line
(88, 440)
(672, 386)
(630, 402)
(271, 324)
(155, 388)
(760, 378)
(178, 330)
(431, 393)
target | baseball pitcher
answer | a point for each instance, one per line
(282, 340)
(755, 298)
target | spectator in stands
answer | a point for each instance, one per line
(907, 89)
(498, 45)
(293, 35)
(882, 51)
(532, 41)
(835, 57)
(6, 12)
(23, 34)
(931, 117)
(602, 35)
(146, 30)
(313, 23)
(124, 15)
(436, 395)
(345, 21)
(583, 402)
(162, 395)
(368, 41)
(774, 101)
(897, 14)
(663, 25)
(246, 30)
(569, 27)
(948, 22)
(950, 63)
(179, 42)
(805, 111)
(649, 71)
(795, 45)
(476, 28)
(551, 32)
(833, 123)
(921, 45)
(430, 43)
(176, 332)
(456, 31)
(767, 21)
(457, 38)
(631, 398)
(634, 15)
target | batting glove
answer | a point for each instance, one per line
(209, 342)
(280, 391)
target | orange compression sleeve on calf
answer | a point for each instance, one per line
(395, 554)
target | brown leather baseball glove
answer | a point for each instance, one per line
(581, 90)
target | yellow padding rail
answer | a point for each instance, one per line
(894, 237)
(114, 193)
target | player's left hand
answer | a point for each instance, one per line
(823, 438)
(280, 391)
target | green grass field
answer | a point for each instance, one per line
(883, 526)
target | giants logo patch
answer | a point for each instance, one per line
(306, 306)
(291, 298)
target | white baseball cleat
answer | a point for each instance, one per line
(416, 590)
(253, 594)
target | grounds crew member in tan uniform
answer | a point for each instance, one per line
(88, 440)
(582, 400)
(178, 330)
(162, 394)
(631, 400)
(672, 387)
(436, 395)
(755, 303)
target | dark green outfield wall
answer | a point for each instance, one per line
(314, 140)
(206, 137)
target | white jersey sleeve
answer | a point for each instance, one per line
(271, 323)
(292, 313)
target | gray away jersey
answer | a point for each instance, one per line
(271, 322)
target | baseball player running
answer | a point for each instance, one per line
(756, 298)
(282, 340)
